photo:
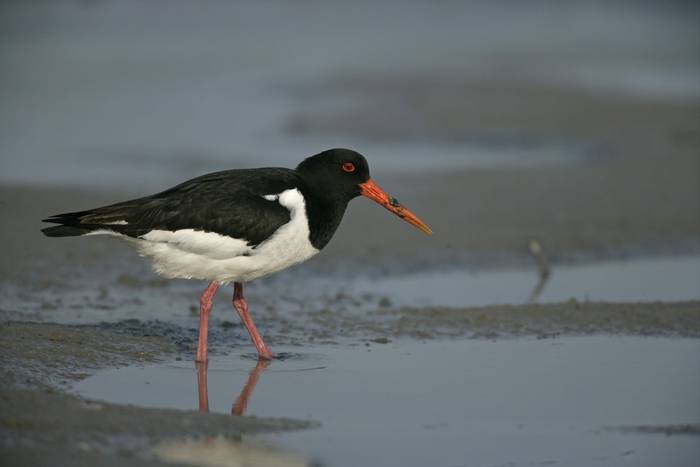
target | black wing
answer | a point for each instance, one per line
(229, 203)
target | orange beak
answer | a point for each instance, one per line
(374, 192)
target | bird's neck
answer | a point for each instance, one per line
(324, 215)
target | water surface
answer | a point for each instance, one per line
(569, 401)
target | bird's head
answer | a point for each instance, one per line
(343, 174)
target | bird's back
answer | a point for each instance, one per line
(229, 202)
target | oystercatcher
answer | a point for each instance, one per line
(238, 225)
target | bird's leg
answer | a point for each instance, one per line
(241, 307)
(205, 304)
(202, 386)
(241, 404)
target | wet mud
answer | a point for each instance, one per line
(668, 430)
(43, 358)
(40, 428)
(41, 425)
(39, 355)
(571, 318)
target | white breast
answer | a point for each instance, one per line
(192, 254)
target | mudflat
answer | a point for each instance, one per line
(635, 193)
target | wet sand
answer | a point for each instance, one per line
(542, 321)
(39, 355)
(40, 428)
(41, 425)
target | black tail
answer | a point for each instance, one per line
(111, 218)
(71, 225)
(64, 231)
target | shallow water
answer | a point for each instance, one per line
(569, 401)
(113, 296)
(640, 279)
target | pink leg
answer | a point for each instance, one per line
(241, 307)
(205, 304)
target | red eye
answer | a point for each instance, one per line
(349, 167)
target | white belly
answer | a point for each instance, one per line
(191, 254)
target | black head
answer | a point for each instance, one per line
(335, 174)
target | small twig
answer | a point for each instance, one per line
(542, 268)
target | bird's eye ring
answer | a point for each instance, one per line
(349, 167)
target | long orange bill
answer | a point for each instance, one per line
(374, 192)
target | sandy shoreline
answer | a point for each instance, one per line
(80, 432)
(66, 430)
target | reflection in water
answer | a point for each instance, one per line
(202, 386)
(222, 452)
(241, 404)
(228, 452)
(239, 407)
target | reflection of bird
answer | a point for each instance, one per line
(232, 450)
(241, 404)
(239, 407)
(238, 225)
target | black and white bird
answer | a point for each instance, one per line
(238, 225)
